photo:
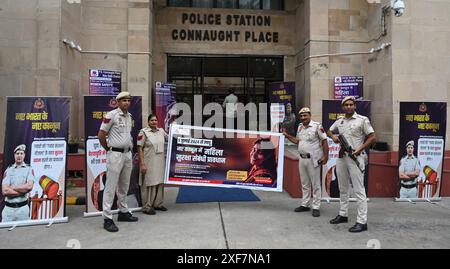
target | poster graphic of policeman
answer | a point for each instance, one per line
(95, 108)
(331, 111)
(421, 149)
(200, 156)
(33, 185)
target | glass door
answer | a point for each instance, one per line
(213, 77)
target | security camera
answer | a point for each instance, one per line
(398, 6)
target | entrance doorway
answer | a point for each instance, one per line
(213, 76)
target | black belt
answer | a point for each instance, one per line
(305, 156)
(120, 149)
(409, 186)
(16, 205)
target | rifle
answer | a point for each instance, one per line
(345, 146)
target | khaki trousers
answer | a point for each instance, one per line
(15, 214)
(152, 196)
(118, 173)
(310, 175)
(347, 170)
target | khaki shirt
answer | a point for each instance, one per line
(355, 129)
(118, 126)
(310, 139)
(16, 176)
(154, 157)
(408, 165)
(152, 139)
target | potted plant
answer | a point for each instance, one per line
(73, 144)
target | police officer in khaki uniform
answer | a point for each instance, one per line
(17, 182)
(313, 149)
(229, 103)
(119, 145)
(355, 128)
(408, 172)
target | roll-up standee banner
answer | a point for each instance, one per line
(95, 108)
(283, 107)
(165, 101)
(35, 161)
(421, 150)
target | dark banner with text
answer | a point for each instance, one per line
(421, 149)
(202, 156)
(33, 182)
(165, 101)
(282, 107)
(95, 108)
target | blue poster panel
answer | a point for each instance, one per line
(348, 86)
(104, 82)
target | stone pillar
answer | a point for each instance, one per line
(317, 69)
(139, 40)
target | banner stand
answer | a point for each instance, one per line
(329, 199)
(95, 108)
(414, 200)
(49, 222)
(116, 211)
(421, 151)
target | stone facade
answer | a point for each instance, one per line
(170, 19)
(135, 36)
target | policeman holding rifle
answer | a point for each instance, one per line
(355, 134)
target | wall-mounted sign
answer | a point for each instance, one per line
(104, 82)
(348, 86)
(241, 21)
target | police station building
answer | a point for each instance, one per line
(206, 47)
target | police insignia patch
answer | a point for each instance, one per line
(322, 130)
(39, 104)
(106, 121)
(113, 103)
(140, 137)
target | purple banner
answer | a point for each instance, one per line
(41, 124)
(165, 101)
(348, 86)
(421, 149)
(95, 108)
(283, 107)
(331, 111)
(104, 82)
